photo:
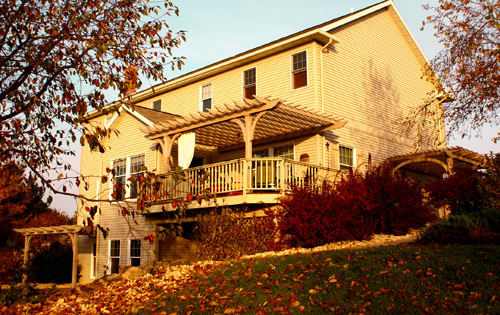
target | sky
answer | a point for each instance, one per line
(219, 29)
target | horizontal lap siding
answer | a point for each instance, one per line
(373, 77)
(273, 79)
(129, 142)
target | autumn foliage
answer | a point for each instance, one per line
(355, 208)
(469, 64)
(229, 235)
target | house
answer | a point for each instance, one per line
(309, 104)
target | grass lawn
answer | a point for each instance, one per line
(409, 279)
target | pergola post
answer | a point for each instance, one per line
(27, 243)
(74, 271)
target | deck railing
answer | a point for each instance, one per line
(240, 177)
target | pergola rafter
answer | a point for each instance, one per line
(257, 120)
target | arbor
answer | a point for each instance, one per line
(57, 57)
(469, 64)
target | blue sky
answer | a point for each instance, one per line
(218, 29)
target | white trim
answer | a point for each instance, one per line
(139, 116)
(109, 122)
(356, 16)
(291, 69)
(129, 256)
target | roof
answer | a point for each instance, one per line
(220, 126)
(152, 115)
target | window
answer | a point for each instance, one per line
(136, 165)
(249, 83)
(120, 167)
(157, 105)
(135, 253)
(299, 70)
(206, 97)
(126, 173)
(346, 156)
(93, 262)
(114, 256)
(285, 151)
(261, 153)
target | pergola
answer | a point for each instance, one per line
(72, 231)
(437, 162)
(255, 121)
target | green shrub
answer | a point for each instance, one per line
(481, 227)
(229, 235)
(52, 264)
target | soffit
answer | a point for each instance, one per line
(219, 127)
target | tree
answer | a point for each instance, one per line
(469, 64)
(57, 58)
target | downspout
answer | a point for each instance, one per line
(330, 41)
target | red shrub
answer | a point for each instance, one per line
(358, 206)
(460, 191)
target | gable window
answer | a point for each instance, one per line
(135, 253)
(346, 156)
(127, 171)
(157, 105)
(206, 97)
(299, 70)
(114, 256)
(249, 83)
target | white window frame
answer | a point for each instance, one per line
(93, 261)
(153, 104)
(353, 157)
(130, 257)
(244, 86)
(114, 257)
(292, 71)
(127, 175)
(211, 95)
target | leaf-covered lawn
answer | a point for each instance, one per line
(399, 279)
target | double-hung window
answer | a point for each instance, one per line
(206, 97)
(120, 168)
(249, 83)
(135, 253)
(136, 170)
(114, 256)
(299, 70)
(346, 156)
(127, 171)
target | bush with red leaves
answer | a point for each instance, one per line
(356, 207)
(460, 191)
